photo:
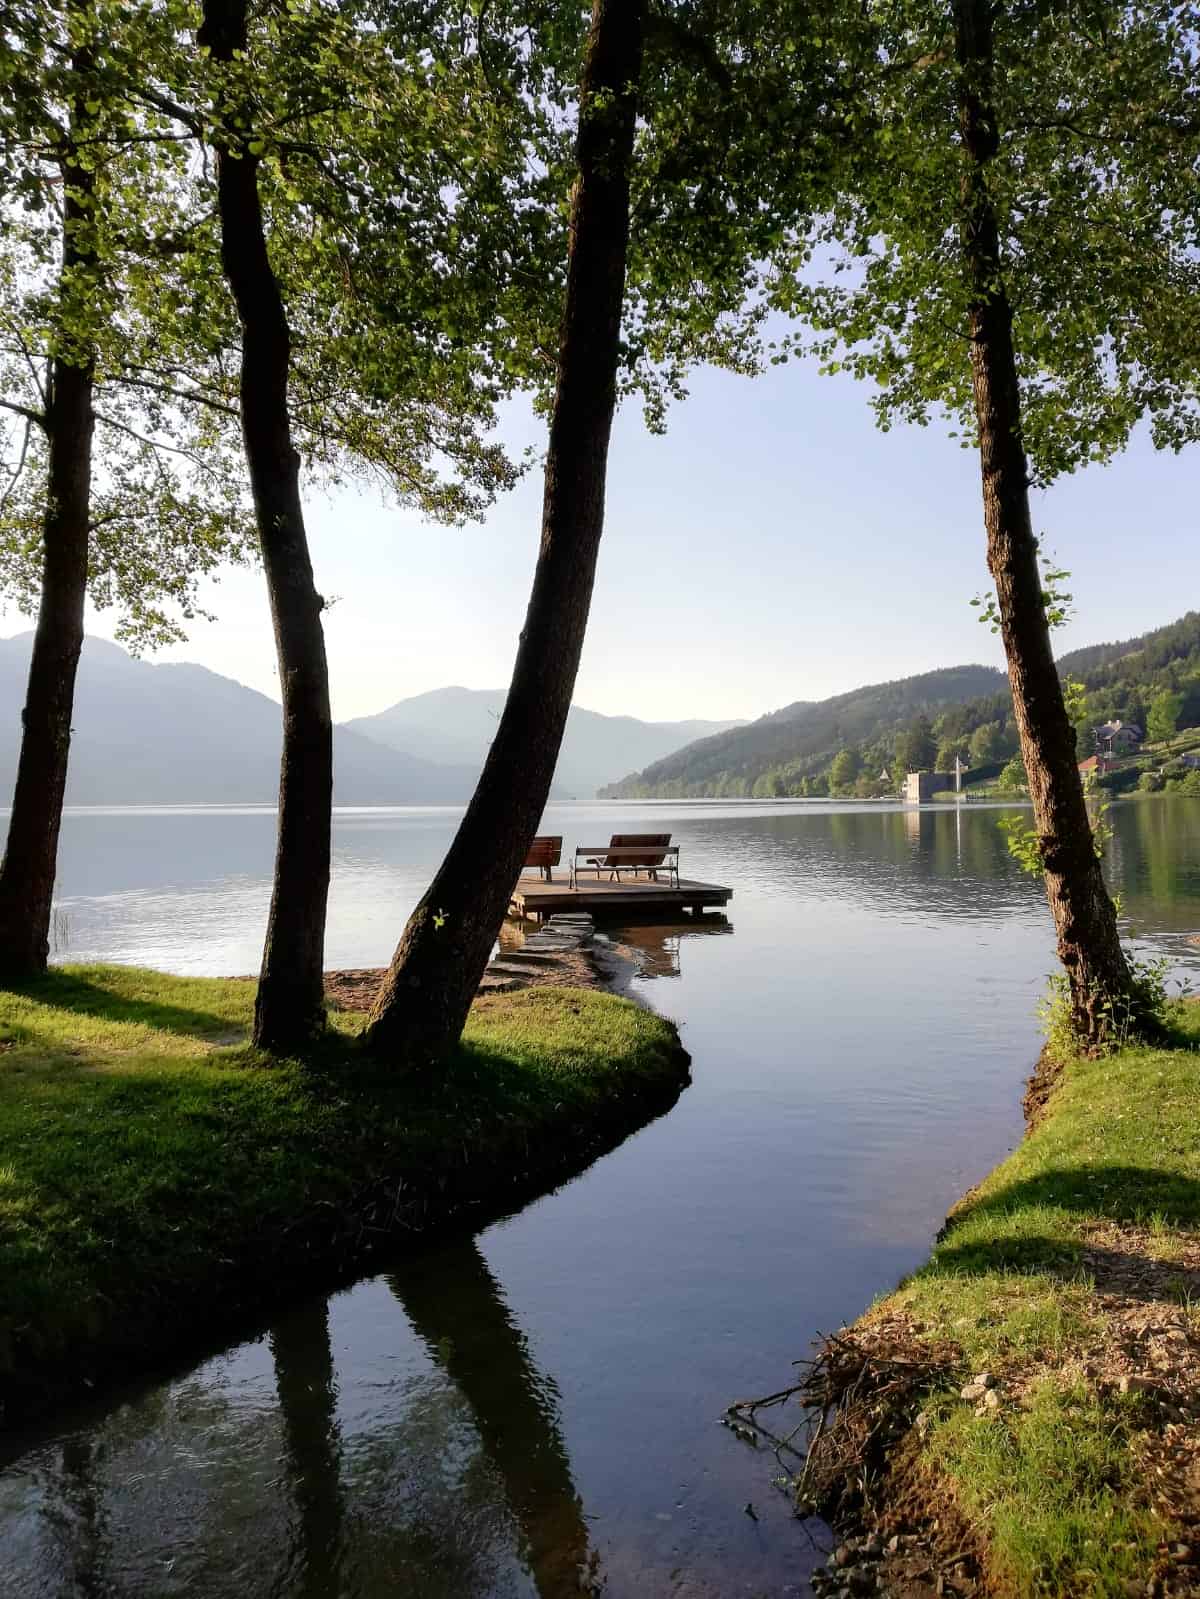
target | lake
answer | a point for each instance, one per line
(536, 1411)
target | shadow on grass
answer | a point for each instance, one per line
(1116, 1193)
(86, 997)
(1118, 1271)
(1013, 1229)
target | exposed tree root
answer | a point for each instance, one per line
(853, 1459)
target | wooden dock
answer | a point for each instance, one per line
(533, 898)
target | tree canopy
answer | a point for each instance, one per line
(1093, 186)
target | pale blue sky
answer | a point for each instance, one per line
(773, 546)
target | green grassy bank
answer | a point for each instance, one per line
(1070, 1282)
(159, 1180)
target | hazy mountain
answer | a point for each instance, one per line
(805, 729)
(458, 724)
(147, 733)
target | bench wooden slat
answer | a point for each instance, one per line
(629, 852)
(545, 852)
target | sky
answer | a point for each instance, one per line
(774, 546)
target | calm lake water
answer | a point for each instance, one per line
(491, 1417)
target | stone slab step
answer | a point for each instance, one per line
(514, 973)
(499, 985)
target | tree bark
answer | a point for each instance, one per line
(1089, 947)
(290, 1008)
(31, 852)
(436, 969)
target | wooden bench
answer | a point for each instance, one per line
(544, 853)
(630, 852)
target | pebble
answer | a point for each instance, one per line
(1136, 1385)
(977, 1386)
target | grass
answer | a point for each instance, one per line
(1107, 1183)
(157, 1177)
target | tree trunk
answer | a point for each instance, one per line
(1102, 991)
(290, 1008)
(31, 853)
(437, 966)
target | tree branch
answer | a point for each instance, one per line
(170, 108)
(157, 447)
(31, 416)
(194, 397)
(18, 469)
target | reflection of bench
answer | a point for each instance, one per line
(544, 854)
(633, 853)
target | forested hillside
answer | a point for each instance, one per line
(856, 742)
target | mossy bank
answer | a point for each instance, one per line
(1022, 1416)
(160, 1182)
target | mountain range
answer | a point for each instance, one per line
(171, 733)
(174, 733)
(148, 733)
(458, 724)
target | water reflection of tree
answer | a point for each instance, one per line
(124, 1508)
(456, 1308)
(891, 861)
(1153, 859)
(79, 1519)
(658, 945)
(306, 1385)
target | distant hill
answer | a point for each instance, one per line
(792, 750)
(458, 724)
(169, 733)
(731, 762)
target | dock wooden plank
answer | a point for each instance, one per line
(534, 898)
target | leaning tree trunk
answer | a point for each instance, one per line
(1084, 916)
(31, 853)
(290, 1009)
(435, 971)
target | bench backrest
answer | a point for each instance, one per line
(640, 842)
(545, 851)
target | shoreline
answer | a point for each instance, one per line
(1021, 1415)
(598, 964)
(165, 1186)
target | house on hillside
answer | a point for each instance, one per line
(1118, 738)
(1095, 766)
